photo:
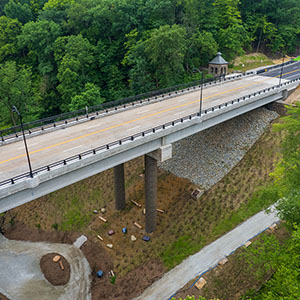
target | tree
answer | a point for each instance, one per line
(289, 207)
(228, 13)
(284, 284)
(201, 47)
(16, 89)
(75, 59)
(2, 5)
(37, 38)
(57, 3)
(199, 15)
(9, 29)
(232, 40)
(287, 171)
(278, 23)
(20, 11)
(163, 64)
(89, 97)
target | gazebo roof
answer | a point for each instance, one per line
(219, 60)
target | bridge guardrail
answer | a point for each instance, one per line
(107, 107)
(142, 134)
(263, 70)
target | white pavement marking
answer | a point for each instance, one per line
(209, 256)
(72, 148)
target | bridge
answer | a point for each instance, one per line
(71, 151)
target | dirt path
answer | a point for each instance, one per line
(207, 257)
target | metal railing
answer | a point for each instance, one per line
(107, 107)
(263, 70)
(142, 134)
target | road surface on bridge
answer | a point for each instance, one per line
(62, 143)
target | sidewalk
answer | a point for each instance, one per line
(209, 256)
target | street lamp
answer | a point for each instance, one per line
(281, 70)
(201, 89)
(14, 109)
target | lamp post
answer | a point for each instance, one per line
(14, 109)
(201, 89)
(281, 70)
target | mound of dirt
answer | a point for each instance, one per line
(57, 273)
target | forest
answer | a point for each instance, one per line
(62, 55)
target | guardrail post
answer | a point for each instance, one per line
(119, 187)
(150, 192)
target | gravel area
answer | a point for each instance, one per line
(206, 157)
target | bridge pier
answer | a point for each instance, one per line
(150, 192)
(119, 183)
(151, 159)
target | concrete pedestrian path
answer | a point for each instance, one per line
(208, 257)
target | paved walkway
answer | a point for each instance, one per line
(209, 256)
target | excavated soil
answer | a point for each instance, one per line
(52, 270)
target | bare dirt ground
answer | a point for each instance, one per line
(294, 97)
(279, 60)
(232, 280)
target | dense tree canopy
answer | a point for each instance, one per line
(117, 48)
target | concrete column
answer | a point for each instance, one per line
(119, 187)
(150, 192)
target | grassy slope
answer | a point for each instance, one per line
(250, 61)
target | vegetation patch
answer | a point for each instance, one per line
(250, 61)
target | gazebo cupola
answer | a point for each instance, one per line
(218, 66)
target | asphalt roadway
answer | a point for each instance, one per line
(60, 144)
